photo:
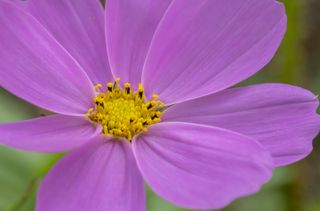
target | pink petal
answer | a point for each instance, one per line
(36, 68)
(130, 26)
(283, 118)
(79, 27)
(200, 167)
(99, 176)
(48, 134)
(17, 3)
(204, 46)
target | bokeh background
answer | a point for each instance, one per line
(293, 188)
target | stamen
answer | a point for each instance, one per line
(140, 91)
(123, 112)
(127, 87)
(110, 87)
(97, 87)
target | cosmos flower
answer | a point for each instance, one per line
(142, 92)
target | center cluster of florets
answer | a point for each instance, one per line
(123, 112)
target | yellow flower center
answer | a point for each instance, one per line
(124, 112)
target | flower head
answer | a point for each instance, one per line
(124, 113)
(172, 119)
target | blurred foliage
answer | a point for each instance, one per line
(293, 188)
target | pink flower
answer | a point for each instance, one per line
(199, 145)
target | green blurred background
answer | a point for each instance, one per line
(293, 188)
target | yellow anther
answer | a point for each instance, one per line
(97, 87)
(140, 88)
(124, 112)
(140, 92)
(155, 96)
(127, 88)
(88, 114)
(116, 83)
(110, 86)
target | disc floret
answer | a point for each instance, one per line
(123, 112)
